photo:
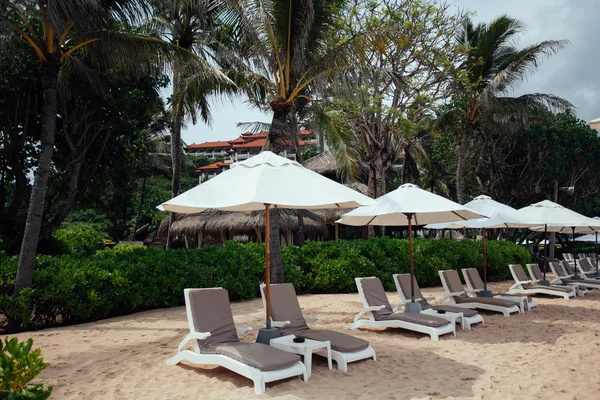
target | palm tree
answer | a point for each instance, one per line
(58, 32)
(196, 26)
(286, 50)
(493, 66)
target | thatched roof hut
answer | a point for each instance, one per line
(243, 222)
(227, 224)
(323, 163)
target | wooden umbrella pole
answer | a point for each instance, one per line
(545, 248)
(268, 262)
(596, 253)
(574, 248)
(483, 238)
(410, 255)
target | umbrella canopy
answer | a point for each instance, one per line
(586, 238)
(500, 216)
(595, 123)
(394, 208)
(266, 179)
(408, 205)
(557, 219)
(263, 181)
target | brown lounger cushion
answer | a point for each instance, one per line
(211, 312)
(339, 341)
(420, 319)
(520, 272)
(257, 355)
(375, 295)
(285, 307)
(467, 312)
(554, 288)
(485, 300)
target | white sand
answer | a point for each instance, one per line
(550, 353)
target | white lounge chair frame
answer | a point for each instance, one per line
(341, 359)
(518, 287)
(506, 311)
(585, 274)
(434, 333)
(260, 378)
(523, 303)
(568, 257)
(581, 288)
(466, 322)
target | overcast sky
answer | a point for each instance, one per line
(573, 73)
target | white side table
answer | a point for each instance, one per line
(306, 349)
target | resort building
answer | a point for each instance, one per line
(238, 149)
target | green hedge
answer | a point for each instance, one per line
(74, 288)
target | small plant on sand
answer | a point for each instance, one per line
(19, 364)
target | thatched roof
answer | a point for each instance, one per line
(322, 163)
(239, 222)
(359, 187)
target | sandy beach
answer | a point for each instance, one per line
(548, 353)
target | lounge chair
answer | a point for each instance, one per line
(587, 270)
(537, 276)
(466, 316)
(455, 293)
(476, 285)
(381, 314)
(563, 273)
(568, 257)
(216, 342)
(524, 285)
(286, 315)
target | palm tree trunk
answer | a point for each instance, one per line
(275, 239)
(175, 150)
(33, 224)
(460, 165)
(142, 198)
(276, 145)
(278, 127)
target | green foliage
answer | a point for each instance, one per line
(19, 364)
(80, 237)
(77, 287)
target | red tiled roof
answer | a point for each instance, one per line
(305, 132)
(209, 145)
(217, 165)
(261, 142)
(238, 140)
(253, 144)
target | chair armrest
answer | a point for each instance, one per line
(242, 330)
(367, 310)
(311, 320)
(192, 336)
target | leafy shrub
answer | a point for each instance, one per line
(80, 238)
(18, 366)
(78, 287)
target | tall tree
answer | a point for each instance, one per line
(287, 49)
(492, 68)
(196, 26)
(58, 33)
(403, 70)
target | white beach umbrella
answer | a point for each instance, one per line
(408, 205)
(499, 216)
(556, 218)
(586, 238)
(595, 123)
(263, 181)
